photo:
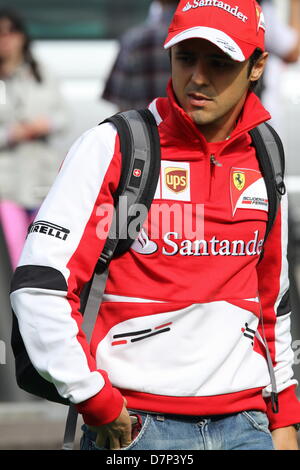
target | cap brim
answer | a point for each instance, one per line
(217, 37)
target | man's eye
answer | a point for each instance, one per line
(186, 59)
(221, 63)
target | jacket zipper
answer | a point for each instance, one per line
(214, 160)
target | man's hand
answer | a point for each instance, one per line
(118, 432)
(40, 127)
(285, 438)
(18, 133)
(25, 131)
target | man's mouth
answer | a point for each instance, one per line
(197, 99)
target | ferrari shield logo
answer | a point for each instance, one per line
(176, 179)
(239, 180)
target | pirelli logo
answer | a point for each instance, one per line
(47, 228)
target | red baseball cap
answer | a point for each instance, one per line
(237, 27)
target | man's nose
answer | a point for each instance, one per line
(200, 73)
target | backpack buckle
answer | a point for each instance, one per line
(280, 186)
(274, 400)
(103, 261)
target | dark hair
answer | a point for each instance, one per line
(19, 26)
(252, 61)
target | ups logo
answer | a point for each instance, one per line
(176, 179)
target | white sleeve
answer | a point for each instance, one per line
(59, 256)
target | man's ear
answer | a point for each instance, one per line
(258, 67)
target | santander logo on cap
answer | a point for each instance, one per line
(215, 3)
(236, 27)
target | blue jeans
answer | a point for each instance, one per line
(247, 430)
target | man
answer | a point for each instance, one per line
(179, 343)
(142, 69)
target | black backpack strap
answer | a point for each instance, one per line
(140, 148)
(270, 154)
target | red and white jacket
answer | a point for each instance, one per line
(179, 328)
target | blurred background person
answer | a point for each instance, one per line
(32, 113)
(142, 68)
(283, 44)
(155, 11)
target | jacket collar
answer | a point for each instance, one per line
(178, 129)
